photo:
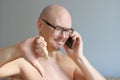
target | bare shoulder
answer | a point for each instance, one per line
(65, 60)
(64, 57)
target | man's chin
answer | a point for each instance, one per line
(57, 47)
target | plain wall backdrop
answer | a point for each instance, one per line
(98, 21)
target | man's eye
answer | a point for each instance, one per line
(59, 28)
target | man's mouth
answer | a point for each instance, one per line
(59, 42)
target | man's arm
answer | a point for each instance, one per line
(9, 53)
(10, 69)
(76, 54)
(30, 49)
(89, 72)
(19, 67)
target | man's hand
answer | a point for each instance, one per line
(77, 50)
(32, 49)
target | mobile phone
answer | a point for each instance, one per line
(70, 42)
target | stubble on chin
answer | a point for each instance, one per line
(57, 47)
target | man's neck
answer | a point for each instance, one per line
(52, 53)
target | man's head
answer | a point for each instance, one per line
(54, 25)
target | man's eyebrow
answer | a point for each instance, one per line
(62, 27)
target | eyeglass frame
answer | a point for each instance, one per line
(62, 29)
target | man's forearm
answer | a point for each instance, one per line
(8, 54)
(88, 70)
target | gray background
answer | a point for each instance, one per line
(98, 21)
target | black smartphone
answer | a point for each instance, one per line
(70, 42)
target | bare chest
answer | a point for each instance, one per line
(54, 71)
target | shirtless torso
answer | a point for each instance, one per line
(60, 67)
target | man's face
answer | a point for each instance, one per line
(54, 33)
(55, 29)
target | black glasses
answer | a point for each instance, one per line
(59, 30)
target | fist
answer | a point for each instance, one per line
(41, 47)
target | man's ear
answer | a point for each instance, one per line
(39, 24)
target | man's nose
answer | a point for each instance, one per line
(63, 34)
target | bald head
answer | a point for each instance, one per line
(58, 17)
(55, 12)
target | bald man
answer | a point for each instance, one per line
(54, 26)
